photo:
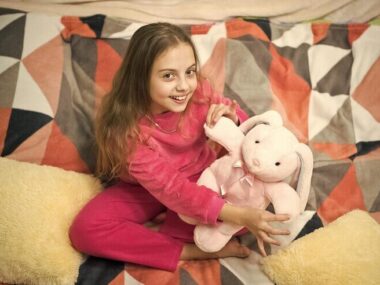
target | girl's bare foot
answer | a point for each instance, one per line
(232, 248)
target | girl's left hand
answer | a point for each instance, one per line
(218, 110)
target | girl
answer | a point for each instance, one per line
(150, 136)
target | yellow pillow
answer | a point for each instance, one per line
(347, 251)
(37, 206)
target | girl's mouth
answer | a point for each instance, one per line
(178, 99)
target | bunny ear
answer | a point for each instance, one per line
(271, 117)
(304, 179)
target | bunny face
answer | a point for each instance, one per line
(269, 152)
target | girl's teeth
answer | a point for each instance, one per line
(178, 97)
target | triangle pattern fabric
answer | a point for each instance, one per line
(296, 36)
(337, 131)
(366, 127)
(326, 176)
(292, 92)
(58, 145)
(51, 25)
(323, 107)
(22, 124)
(321, 59)
(367, 93)
(108, 63)
(252, 84)
(5, 20)
(29, 96)
(205, 43)
(8, 82)
(336, 36)
(297, 57)
(346, 196)
(5, 114)
(33, 148)
(48, 56)
(214, 68)
(368, 168)
(12, 38)
(329, 84)
(6, 62)
(366, 50)
(84, 58)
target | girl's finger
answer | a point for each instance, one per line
(260, 244)
(210, 115)
(277, 217)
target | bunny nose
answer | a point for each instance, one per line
(256, 162)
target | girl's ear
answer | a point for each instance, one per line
(271, 117)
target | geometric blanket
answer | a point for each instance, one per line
(321, 77)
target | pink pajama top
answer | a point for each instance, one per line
(169, 163)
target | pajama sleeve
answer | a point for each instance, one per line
(173, 190)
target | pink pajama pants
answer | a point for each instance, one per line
(111, 226)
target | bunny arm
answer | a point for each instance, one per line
(284, 198)
(226, 133)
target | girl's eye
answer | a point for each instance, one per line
(191, 72)
(168, 76)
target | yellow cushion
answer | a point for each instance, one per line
(37, 206)
(347, 251)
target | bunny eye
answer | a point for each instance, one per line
(277, 163)
(257, 141)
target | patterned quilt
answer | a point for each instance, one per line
(322, 78)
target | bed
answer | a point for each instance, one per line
(318, 64)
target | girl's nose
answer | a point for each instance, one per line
(182, 85)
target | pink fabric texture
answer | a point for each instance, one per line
(162, 175)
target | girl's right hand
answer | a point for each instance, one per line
(257, 221)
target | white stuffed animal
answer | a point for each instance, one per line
(262, 156)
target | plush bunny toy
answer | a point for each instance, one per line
(262, 156)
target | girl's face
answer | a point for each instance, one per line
(173, 79)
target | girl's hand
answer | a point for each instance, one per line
(218, 110)
(257, 221)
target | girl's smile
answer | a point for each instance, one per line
(173, 79)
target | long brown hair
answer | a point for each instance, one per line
(116, 125)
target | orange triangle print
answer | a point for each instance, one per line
(346, 196)
(292, 91)
(61, 152)
(5, 114)
(153, 276)
(108, 63)
(203, 271)
(214, 67)
(355, 31)
(33, 149)
(336, 151)
(237, 28)
(74, 26)
(119, 279)
(319, 31)
(45, 65)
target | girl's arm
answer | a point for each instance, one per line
(171, 188)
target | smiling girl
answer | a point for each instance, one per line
(149, 131)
